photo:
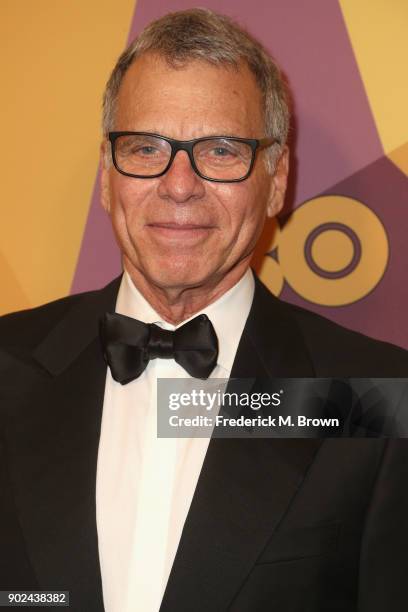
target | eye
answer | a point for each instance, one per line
(141, 147)
(145, 150)
(221, 152)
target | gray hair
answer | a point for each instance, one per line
(201, 34)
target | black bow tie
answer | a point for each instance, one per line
(129, 344)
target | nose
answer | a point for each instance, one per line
(180, 183)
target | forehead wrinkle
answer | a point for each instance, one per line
(189, 102)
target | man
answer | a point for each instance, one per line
(194, 154)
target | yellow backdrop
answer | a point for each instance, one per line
(56, 57)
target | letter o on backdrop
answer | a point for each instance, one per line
(332, 251)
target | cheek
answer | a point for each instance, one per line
(127, 198)
(234, 204)
(246, 208)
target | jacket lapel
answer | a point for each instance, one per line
(52, 447)
(271, 345)
(246, 485)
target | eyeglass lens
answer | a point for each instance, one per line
(216, 158)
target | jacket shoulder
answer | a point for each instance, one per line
(333, 350)
(27, 328)
(333, 346)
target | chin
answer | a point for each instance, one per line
(189, 274)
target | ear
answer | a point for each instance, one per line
(278, 184)
(105, 191)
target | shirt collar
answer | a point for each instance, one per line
(228, 314)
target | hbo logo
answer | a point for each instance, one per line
(332, 251)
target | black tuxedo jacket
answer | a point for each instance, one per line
(288, 525)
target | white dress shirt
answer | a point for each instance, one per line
(145, 484)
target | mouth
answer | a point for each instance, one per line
(180, 230)
(180, 226)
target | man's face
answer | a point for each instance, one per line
(180, 230)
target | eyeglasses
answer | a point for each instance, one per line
(223, 159)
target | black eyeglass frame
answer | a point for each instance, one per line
(188, 145)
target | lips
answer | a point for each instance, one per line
(180, 226)
(179, 233)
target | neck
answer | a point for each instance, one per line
(176, 304)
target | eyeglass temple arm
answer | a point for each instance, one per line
(267, 142)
